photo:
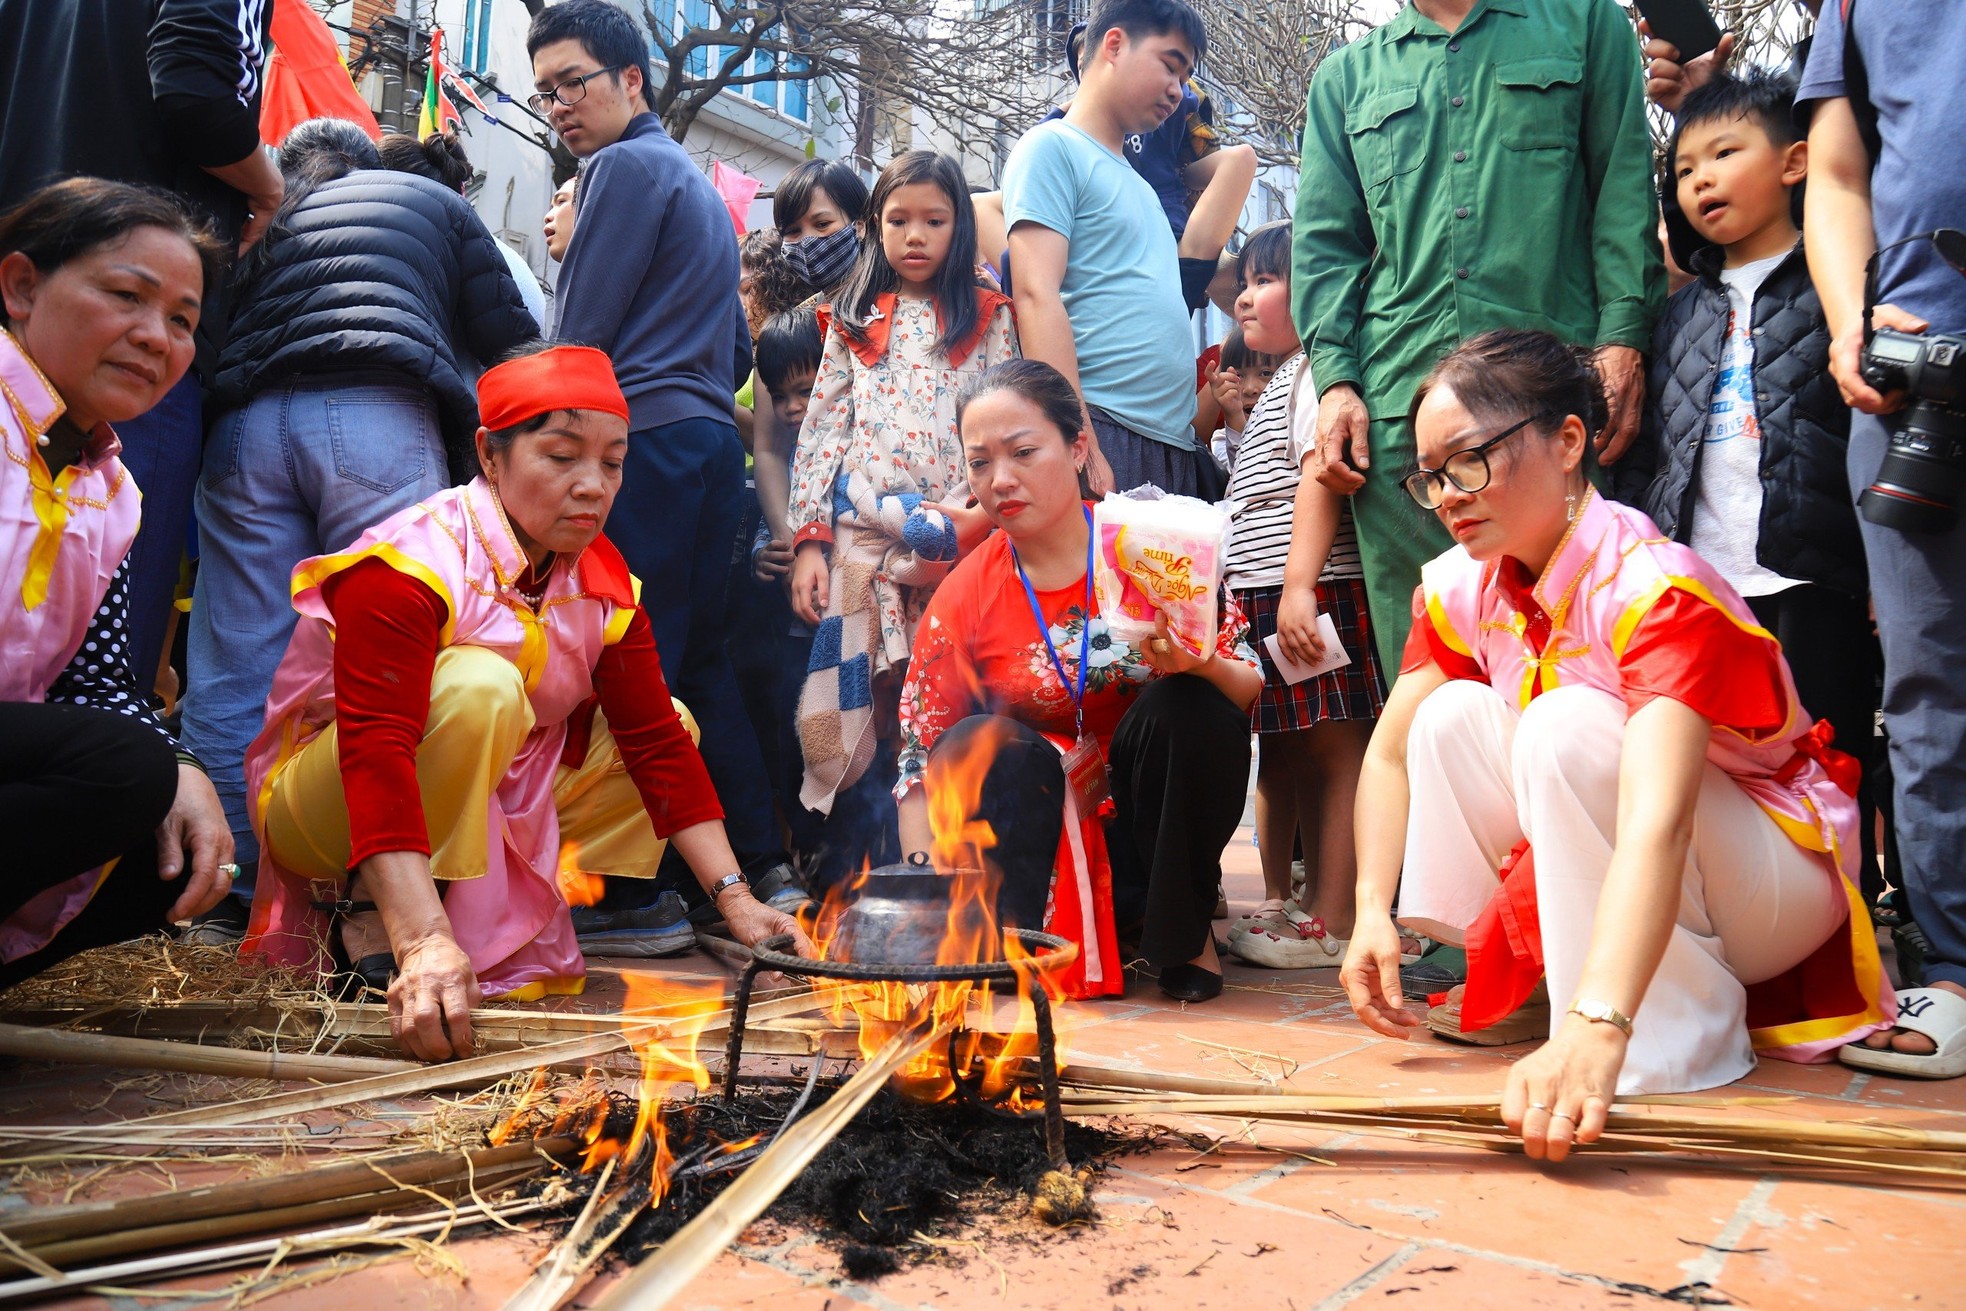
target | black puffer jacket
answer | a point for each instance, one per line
(377, 272)
(1808, 528)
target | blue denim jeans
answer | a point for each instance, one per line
(1918, 586)
(297, 471)
(160, 449)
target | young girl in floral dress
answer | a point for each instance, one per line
(879, 491)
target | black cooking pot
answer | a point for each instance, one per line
(900, 916)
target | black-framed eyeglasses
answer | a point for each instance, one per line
(1466, 469)
(570, 92)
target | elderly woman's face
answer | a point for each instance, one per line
(558, 483)
(1023, 472)
(1522, 509)
(112, 328)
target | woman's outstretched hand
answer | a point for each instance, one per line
(1370, 977)
(751, 921)
(1558, 1096)
(431, 999)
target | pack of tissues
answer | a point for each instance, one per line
(1160, 554)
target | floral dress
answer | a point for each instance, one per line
(877, 454)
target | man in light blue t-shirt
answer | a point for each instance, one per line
(1096, 276)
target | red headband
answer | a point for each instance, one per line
(563, 378)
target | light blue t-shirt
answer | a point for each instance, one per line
(1122, 284)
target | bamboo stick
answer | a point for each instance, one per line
(660, 1278)
(472, 1072)
(48, 1225)
(153, 1238)
(191, 1058)
(254, 1251)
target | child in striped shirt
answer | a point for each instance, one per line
(1293, 555)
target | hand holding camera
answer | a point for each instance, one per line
(1846, 360)
(1901, 366)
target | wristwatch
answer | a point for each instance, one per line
(727, 881)
(1603, 1012)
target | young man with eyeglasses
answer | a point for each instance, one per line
(650, 277)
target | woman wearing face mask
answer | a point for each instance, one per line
(480, 654)
(817, 208)
(112, 831)
(1592, 713)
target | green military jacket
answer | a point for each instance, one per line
(1497, 176)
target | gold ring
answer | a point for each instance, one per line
(1162, 646)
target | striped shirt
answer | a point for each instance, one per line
(1281, 430)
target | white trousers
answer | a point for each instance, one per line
(1753, 904)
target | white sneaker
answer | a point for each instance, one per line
(1289, 940)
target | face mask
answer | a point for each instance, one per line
(821, 262)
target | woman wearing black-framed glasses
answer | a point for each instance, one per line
(1588, 713)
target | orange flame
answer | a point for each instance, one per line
(577, 886)
(668, 1057)
(970, 934)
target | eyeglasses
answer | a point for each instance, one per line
(570, 92)
(1466, 469)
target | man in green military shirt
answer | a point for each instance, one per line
(1471, 164)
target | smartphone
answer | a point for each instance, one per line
(1685, 23)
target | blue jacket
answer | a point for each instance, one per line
(651, 278)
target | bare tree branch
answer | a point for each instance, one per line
(974, 72)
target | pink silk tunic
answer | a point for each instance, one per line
(62, 538)
(512, 921)
(1611, 569)
(61, 541)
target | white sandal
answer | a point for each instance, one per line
(1939, 1015)
(1289, 939)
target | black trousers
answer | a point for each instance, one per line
(1834, 657)
(79, 787)
(1180, 772)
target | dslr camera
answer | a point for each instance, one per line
(1918, 485)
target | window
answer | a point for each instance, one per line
(788, 97)
(696, 14)
(476, 52)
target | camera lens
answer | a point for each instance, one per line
(1918, 485)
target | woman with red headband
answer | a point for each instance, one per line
(470, 705)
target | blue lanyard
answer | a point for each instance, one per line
(1044, 630)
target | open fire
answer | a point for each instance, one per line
(894, 948)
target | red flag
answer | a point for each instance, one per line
(737, 189)
(459, 85)
(305, 77)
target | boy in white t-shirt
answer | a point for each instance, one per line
(1741, 454)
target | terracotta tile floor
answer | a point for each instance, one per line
(1343, 1221)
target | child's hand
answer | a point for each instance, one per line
(812, 582)
(772, 562)
(1297, 626)
(971, 522)
(1228, 395)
